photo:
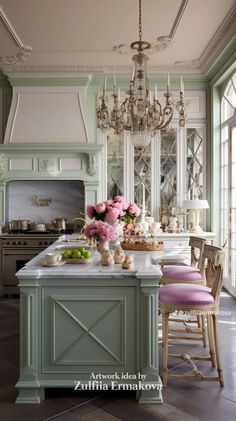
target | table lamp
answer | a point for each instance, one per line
(195, 206)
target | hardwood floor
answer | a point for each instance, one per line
(183, 401)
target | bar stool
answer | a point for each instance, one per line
(182, 273)
(197, 299)
(194, 274)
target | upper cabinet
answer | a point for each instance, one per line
(169, 170)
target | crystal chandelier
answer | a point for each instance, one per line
(141, 115)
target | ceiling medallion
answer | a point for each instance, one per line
(140, 113)
(162, 43)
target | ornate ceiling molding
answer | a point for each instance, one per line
(200, 65)
(218, 42)
(23, 50)
(162, 42)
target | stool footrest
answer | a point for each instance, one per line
(194, 357)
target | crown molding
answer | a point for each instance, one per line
(23, 51)
(29, 78)
(221, 38)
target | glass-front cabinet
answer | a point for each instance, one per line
(171, 169)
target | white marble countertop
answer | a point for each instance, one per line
(143, 267)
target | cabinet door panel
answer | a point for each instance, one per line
(90, 330)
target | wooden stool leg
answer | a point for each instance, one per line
(199, 322)
(211, 341)
(203, 323)
(165, 329)
(216, 339)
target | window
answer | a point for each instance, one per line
(228, 181)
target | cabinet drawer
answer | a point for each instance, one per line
(176, 244)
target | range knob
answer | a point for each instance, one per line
(25, 243)
(14, 243)
(40, 243)
(45, 243)
(19, 243)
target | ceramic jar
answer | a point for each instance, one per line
(102, 245)
(107, 258)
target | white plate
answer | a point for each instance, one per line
(48, 265)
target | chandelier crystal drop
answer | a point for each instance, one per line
(140, 113)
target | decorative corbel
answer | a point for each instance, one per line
(92, 164)
(2, 165)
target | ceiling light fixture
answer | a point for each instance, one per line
(139, 113)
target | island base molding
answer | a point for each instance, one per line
(76, 328)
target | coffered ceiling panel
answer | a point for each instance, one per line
(80, 35)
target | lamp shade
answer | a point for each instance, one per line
(195, 204)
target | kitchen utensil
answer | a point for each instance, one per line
(59, 224)
(38, 226)
(19, 225)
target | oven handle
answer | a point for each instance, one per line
(22, 251)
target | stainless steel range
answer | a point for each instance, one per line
(17, 250)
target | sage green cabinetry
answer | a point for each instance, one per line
(88, 330)
(83, 322)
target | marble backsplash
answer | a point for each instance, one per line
(65, 200)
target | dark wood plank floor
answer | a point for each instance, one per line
(183, 401)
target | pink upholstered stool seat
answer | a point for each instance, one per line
(186, 294)
(181, 273)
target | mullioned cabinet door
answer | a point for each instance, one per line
(88, 330)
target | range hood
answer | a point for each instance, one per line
(48, 114)
(50, 135)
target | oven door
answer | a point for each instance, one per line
(14, 260)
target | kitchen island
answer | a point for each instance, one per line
(89, 326)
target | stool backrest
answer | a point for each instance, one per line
(214, 269)
(197, 247)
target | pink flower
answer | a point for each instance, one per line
(119, 199)
(134, 209)
(101, 207)
(112, 214)
(108, 202)
(100, 231)
(90, 211)
(120, 208)
(124, 205)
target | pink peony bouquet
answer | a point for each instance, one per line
(100, 231)
(113, 210)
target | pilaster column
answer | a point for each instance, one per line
(28, 383)
(149, 343)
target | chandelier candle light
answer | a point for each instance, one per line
(143, 221)
(138, 113)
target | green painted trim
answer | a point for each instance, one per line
(191, 82)
(53, 147)
(215, 161)
(48, 79)
(225, 59)
(95, 81)
(4, 83)
(208, 160)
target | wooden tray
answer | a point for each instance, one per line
(77, 261)
(143, 246)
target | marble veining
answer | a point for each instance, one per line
(67, 199)
(142, 267)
